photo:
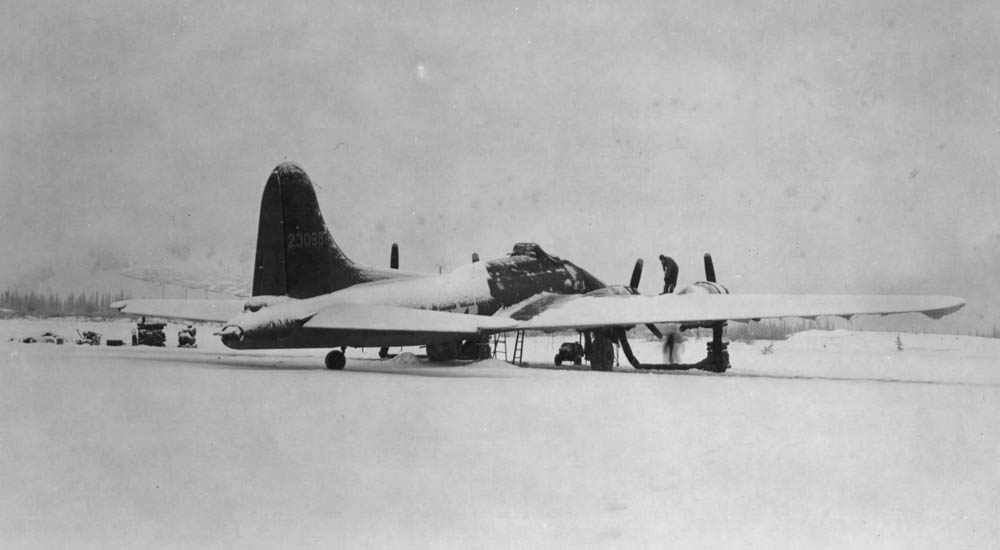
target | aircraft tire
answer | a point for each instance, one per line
(485, 352)
(443, 351)
(558, 360)
(335, 360)
(602, 354)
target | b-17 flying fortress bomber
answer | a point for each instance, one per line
(308, 294)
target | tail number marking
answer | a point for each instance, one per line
(307, 239)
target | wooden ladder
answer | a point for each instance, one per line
(500, 340)
(519, 349)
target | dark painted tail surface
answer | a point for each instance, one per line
(296, 255)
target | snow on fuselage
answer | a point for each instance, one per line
(464, 288)
(478, 288)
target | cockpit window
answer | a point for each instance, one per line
(532, 250)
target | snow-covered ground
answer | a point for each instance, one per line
(834, 439)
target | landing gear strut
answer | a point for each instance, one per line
(335, 360)
(717, 359)
(600, 350)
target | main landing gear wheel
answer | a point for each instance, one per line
(602, 353)
(444, 351)
(335, 360)
(717, 359)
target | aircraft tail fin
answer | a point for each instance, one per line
(296, 255)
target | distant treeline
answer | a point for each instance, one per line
(46, 304)
(995, 333)
(773, 329)
(782, 329)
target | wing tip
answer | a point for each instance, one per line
(955, 304)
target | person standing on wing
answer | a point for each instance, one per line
(670, 271)
(672, 337)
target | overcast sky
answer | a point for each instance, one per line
(811, 146)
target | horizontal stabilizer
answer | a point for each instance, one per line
(220, 283)
(218, 311)
(627, 310)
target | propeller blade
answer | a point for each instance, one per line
(394, 257)
(636, 275)
(709, 268)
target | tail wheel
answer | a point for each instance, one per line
(335, 360)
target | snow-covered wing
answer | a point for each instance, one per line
(547, 312)
(393, 319)
(218, 311)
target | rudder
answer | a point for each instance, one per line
(296, 255)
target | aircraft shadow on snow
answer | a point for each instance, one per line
(253, 362)
(450, 369)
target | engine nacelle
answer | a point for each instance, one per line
(704, 287)
(256, 303)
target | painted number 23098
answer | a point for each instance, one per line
(308, 239)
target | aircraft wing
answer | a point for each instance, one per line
(554, 312)
(218, 311)
(370, 325)
(394, 319)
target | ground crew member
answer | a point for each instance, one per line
(670, 271)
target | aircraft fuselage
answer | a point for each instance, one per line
(480, 288)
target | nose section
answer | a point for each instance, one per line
(231, 336)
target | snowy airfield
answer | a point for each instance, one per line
(835, 439)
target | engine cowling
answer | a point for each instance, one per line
(704, 287)
(256, 303)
